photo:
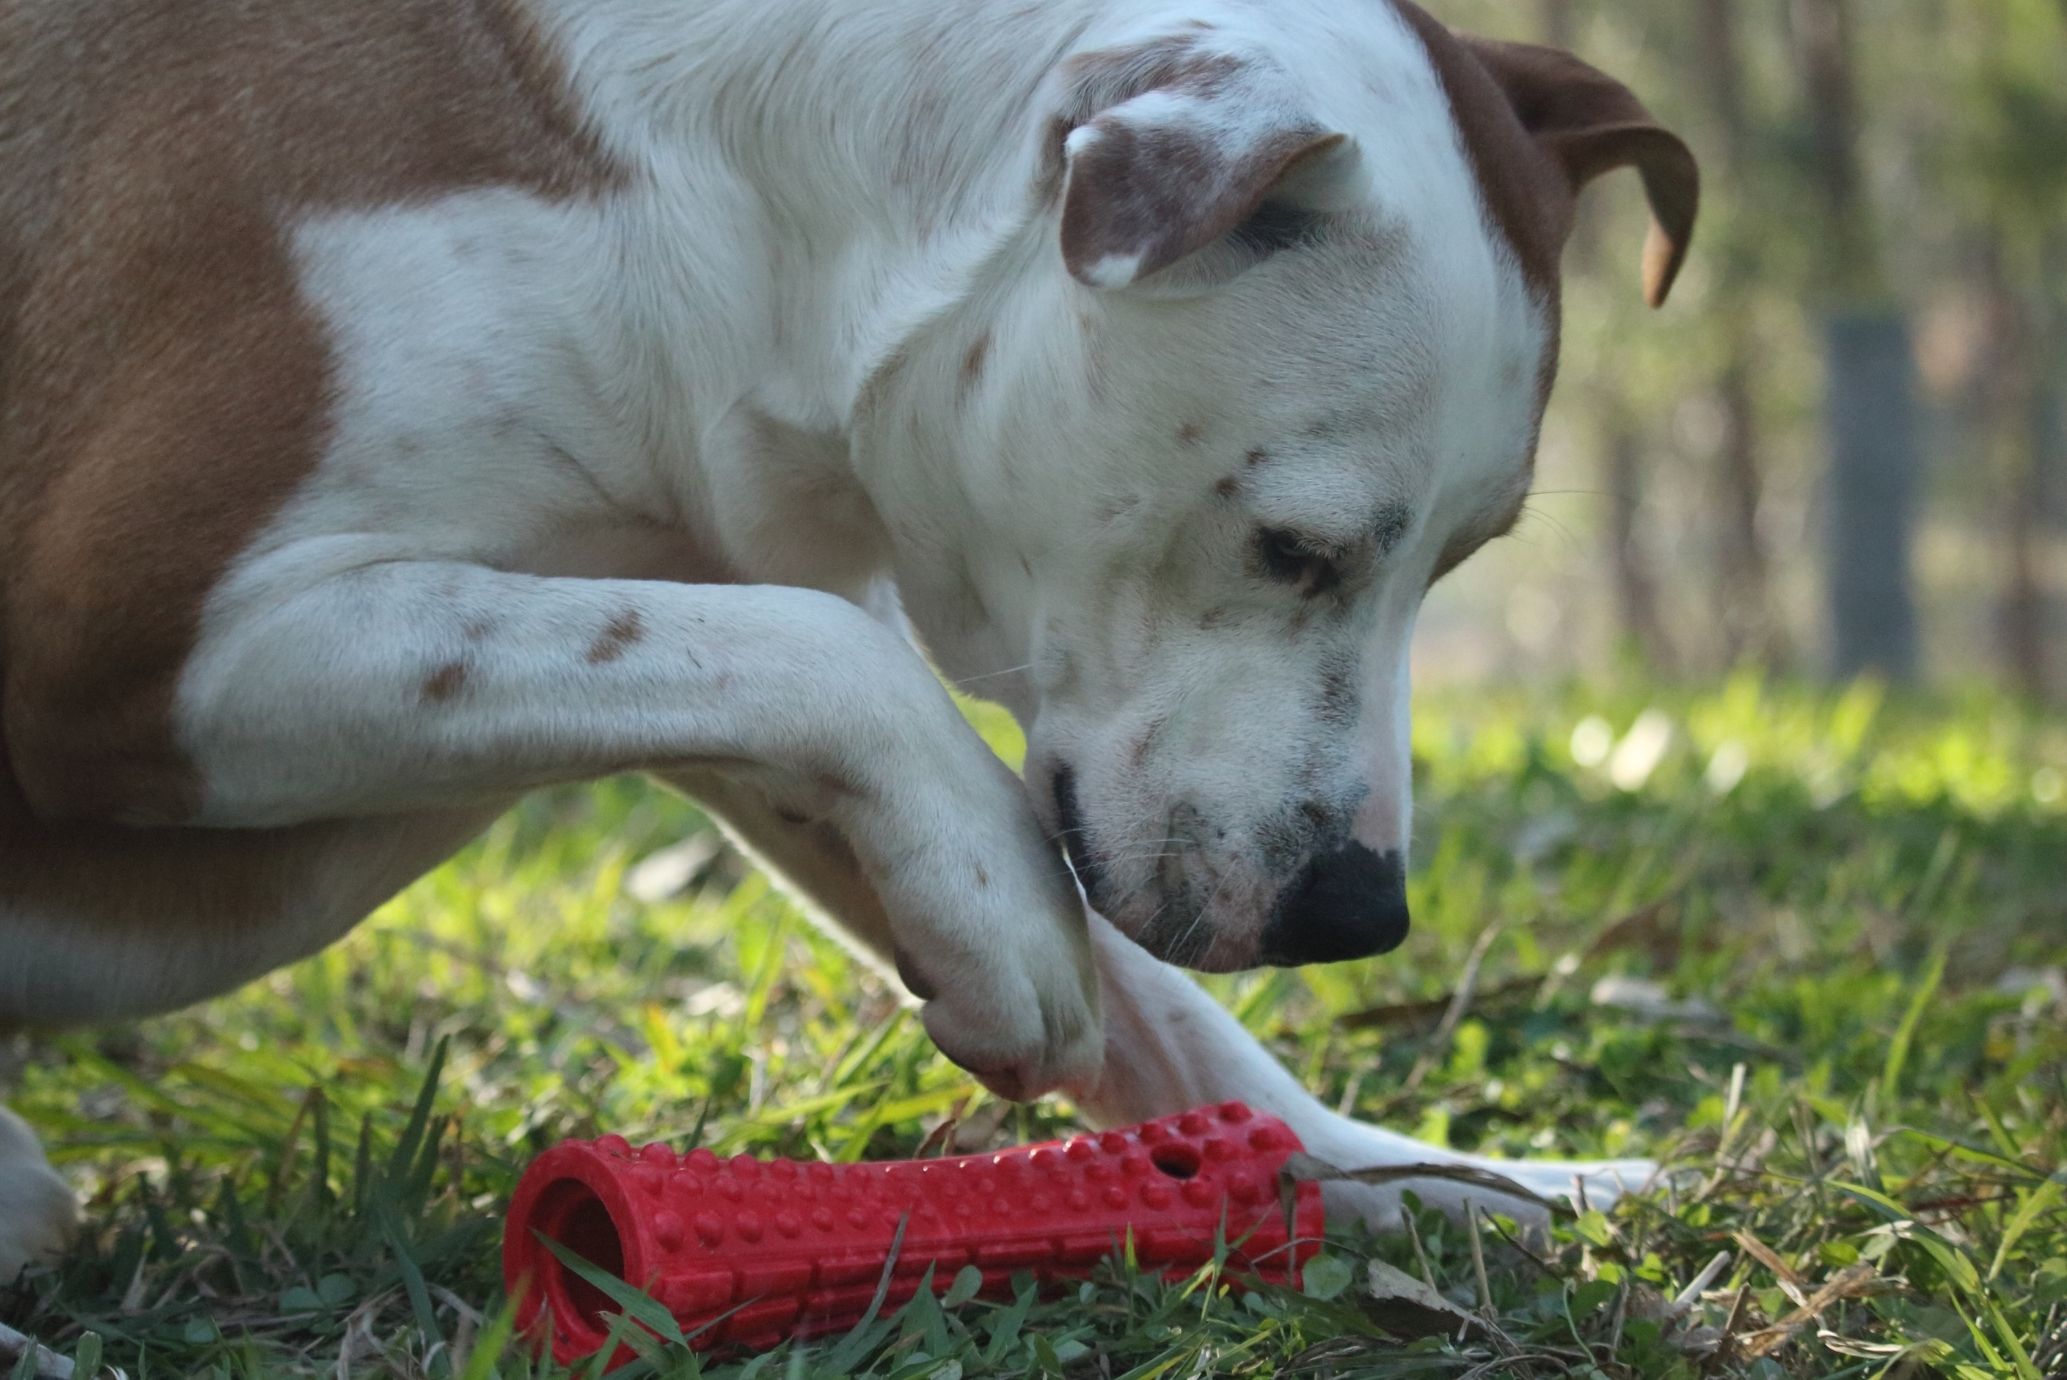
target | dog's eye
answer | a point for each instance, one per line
(1288, 560)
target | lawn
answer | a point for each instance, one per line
(1806, 948)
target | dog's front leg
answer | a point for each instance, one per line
(1170, 1046)
(403, 686)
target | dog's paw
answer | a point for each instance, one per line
(1010, 994)
(990, 931)
(38, 1211)
(1020, 1038)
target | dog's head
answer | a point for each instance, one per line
(1275, 364)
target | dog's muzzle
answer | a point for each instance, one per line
(1349, 903)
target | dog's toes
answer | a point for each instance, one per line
(1021, 1048)
(38, 1211)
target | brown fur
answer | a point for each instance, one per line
(620, 632)
(162, 386)
(1538, 125)
(163, 390)
(1136, 191)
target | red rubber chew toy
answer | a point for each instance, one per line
(783, 1249)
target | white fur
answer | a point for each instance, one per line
(37, 1210)
(739, 384)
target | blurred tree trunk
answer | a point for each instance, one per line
(1622, 444)
(1636, 586)
(1871, 407)
(2021, 409)
(1743, 604)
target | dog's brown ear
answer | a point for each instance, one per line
(1178, 148)
(1588, 124)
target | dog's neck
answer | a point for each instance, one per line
(871, 135)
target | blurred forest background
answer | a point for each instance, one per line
(1843, 445)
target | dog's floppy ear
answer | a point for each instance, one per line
(1174, 148)
(1588, 124)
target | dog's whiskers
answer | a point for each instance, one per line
(993, 675)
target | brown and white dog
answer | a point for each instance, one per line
(408, 403)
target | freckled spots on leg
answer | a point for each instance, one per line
(1143, 746)
(982, 877)
(1191, 433)
(445, 683)
(1213, 618)
(1026, 566)
(619, 633)
(1258, 456)
(1228, 487)
(477, 628)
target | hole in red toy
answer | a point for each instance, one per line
(1179, 1161)
(571, 1214)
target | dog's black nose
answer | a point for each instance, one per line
(1350, 903)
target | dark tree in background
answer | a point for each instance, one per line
(1741, 601)
(1619, 426)
(1870, 496)
(1844, 443)
(2007, 158)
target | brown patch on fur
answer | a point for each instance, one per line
(1191, 433)
(445, 683)
(623, 629)
(1228, 487)
(1144, 745)
(1212, 618)
(972, 367)
(163, 387)
(1158, 192)
(1258, 456)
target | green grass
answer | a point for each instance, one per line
(1869, 897)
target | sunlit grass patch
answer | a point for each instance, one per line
(1807, 948)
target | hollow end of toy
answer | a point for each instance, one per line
(578, 1205)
